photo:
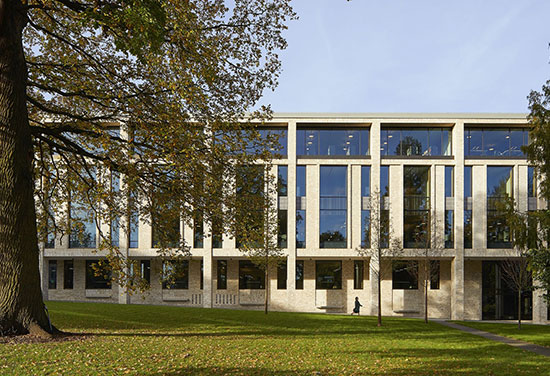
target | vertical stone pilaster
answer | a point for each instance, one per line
(457, 264)
(291, 230)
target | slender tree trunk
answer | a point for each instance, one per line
(379, 276)
(266, 288)
(519, 309)
(426, 277)
(21, 305)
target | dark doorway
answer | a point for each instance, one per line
(499, 300)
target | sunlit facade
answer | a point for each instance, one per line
(436, 181)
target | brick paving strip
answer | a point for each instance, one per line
(541, 350)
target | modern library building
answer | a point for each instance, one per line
(423, 187)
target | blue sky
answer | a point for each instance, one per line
(413, 56)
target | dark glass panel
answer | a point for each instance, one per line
(414, 142)
(97, 280)
(365, 141)
(365, 228)
(300, 228)
(404, 275)
(384, 228)
(333, 181)
(299, 274)
(416, 229)
(281, 275)
(449, 181)
(385, 181)
(52, 274)
(531, 182)
(496, 142)
(467, 229)
(68, 274)
(300, 181)
(282, 180)
(332, 227)
(175, 275)
(145, 270)
(250, 276)
(394, 142)
(467, 181)
(417, 181)
(475, 138)
(282, 228)
(516, 142)
(358, 274)
(499, 181)
(328, 275)
(435, 274)
(222, 274)
(365, 181)
(498, 231)
(449, 228)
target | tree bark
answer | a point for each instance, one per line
(21, 304)
(519, 309)
(379, 276)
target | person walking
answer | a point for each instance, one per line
(357, 307)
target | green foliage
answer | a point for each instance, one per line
(160, 340)
(157, 92)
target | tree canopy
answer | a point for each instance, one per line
(125, 107)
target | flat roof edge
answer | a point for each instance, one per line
(402, 115)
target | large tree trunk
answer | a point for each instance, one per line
(21, 305)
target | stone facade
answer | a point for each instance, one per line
(459, 295)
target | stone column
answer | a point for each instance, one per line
(291, 230)
(457, 264)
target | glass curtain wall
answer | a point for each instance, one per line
(282, 214)
(384, 236)
(467, 207)
(499, 189)
(332, 142)
(300, 206)
(495, 142)
(449, 213)
(416, 207)
(333, 207)
(415, 141)
(365, 211)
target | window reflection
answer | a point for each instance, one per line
(333, 213)
(415, 141)
(495, 142)
(499, 187)
(332, 142)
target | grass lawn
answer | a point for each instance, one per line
(538, 334)
(153, 340)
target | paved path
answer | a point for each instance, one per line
(541, 350)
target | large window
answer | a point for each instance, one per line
(333, 213)
(198, 230)
(495, 142)
(277, 137)
(165, 225)
(250, 276)
(416, 207)
(499, 189)
(384, 236)
(415, 141)
(300, 206)
(97, 277)
(144, 270)
(282, 214)
(250, 201)
(449, 213)
(365, 210)
(531, 182)
(332, 141)
(328, 275)
(468, 234)
(175, 274)
(83, 228)
(405, 275)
